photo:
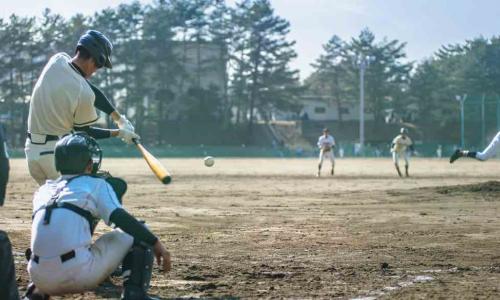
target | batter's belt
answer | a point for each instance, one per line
(41, 139)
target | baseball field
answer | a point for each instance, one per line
(268, 228)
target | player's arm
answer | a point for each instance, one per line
(110, 210)
(128, 223)
(102, 133)
(104, 104)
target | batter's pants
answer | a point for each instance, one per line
(4, 178)
(90, 266)
(328, 155)
(8, 286)
(40, 158)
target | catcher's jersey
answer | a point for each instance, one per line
(401, 143)
(68, 230)
(61, 99)
(327, 141)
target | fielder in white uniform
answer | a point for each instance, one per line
(489, 152)
(402, 145)
(65, 212)
(326, 144)
(63, 101)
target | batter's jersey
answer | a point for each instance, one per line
(327, 141)
(61, 99)
(401, 143)
(67, 230)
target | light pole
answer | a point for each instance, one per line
(362, 62)
(461, 99)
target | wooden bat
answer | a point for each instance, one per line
(154, 164)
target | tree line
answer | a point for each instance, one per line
(161, 69)
(422, 94)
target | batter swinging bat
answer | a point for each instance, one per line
(158, 169)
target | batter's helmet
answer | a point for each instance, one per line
(98, 46)
(403, 131)
(73, 153)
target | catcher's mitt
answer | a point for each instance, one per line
(118, 184)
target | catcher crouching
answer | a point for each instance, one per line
(63, 259)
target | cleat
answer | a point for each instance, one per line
(456, 155)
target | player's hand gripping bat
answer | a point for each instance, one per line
(158, 169)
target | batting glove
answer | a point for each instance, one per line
(124, 123)
(127, 136)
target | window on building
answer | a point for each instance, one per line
(344, 110)
(320, 110)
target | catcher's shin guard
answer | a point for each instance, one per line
(137, 268)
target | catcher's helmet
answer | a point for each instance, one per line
(98, 46)
(74, 151)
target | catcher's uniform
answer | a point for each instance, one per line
(64, 259)
(61, 100)
(326, 145)
(399, 148)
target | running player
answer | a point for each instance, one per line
(486, 154)
(63, 101)
(326, 144)
(402, 145)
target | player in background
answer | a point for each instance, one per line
(8, 286)
(326, 144)
(63, 101)
(489, 152)
(402, 145)
(63, 258)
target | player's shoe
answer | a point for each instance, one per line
(456, 155)
(318, 174)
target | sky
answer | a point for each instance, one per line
(425, 25)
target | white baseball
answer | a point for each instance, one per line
(209, 161)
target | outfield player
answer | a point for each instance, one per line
(326, 144)
(402, 145)
(63, 258)
(63, 100)
(486, 154)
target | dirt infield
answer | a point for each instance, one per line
(267, 228)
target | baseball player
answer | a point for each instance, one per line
(326, 144)
(8, 284)
(63, 259)
(4, 165)
(63, 101)
(489, 152)
(402, 145)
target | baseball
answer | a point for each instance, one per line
(209, 161)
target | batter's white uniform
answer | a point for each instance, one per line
(61, 100)
(325, 143)
(400, 148)
(69, 231)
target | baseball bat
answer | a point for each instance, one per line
(154, 164)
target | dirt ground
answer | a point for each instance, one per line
(268, 228)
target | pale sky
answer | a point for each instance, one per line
(424, 24)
